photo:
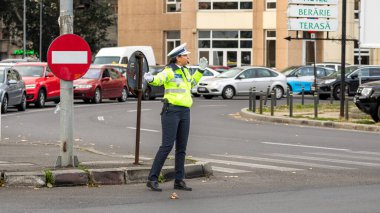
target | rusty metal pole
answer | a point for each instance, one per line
(140, 58)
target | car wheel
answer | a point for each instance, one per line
(22, 105)
(97, 96)
(279, 92)
(228, 92)
(57, 101)
(195, 94)
(336, 92)
(4, 104)
(208, 96)
(40, 102)
(147, 95)
(376, 115)
(86, 100)
(323, 96)
(124, 95)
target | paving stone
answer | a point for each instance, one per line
(107, 176)
(32, 179)
(73, 177)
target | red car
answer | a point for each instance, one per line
(41, 84)
(100, 82)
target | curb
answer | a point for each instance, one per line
(299, 121)
(104, 176)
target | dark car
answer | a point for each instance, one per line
(12, 90)
(367, 99)
(100, 82)
(368, 74)
(151, 92)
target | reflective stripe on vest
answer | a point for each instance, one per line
(175, 91)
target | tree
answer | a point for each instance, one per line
(91, 21)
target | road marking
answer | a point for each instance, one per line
(69, 57)
(228, 170)
(148, 130)
(305, 146)
(15, 164)
(250, 165)
(284, 161)
(221, 105)
(345, 156)
(135, 110)
(326, 160)
(100, 118)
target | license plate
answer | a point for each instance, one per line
(201, 89)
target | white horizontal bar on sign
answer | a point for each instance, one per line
(312, 24)
(324, 2)
(305, 11)
(69, 57)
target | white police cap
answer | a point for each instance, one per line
(180, 50)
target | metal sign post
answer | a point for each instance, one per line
(343, 59)
(137, 66)
(315, 61)
(69, 57)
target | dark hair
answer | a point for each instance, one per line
(173, 60)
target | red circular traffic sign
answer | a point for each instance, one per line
(69, 57)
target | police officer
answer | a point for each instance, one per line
(175, 115)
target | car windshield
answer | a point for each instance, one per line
(348, 71)
(288, 70)
(107, 60)
(230, 73)
(92, 74)
(30, 71)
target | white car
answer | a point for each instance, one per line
(238, 81)
(208, 73)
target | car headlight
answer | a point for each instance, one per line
(366, 91)
(328, 81)
(83, 86)
(30, 86)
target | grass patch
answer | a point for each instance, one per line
(49, 178)
(161, 178)
(364, 121)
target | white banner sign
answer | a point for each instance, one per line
(369, 30)
(324, 2)
(313, 24)
(312, 11)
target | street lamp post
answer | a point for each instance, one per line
(24, 29)
(40, 30)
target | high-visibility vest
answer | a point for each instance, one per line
(178, 83)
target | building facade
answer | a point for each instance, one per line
(234, 32)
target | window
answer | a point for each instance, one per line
(173, 6)
(263, 73)
(356, 9)
(364, 54)
(374, 72)
(270, 48)
(114, 74)
(271, 4)
(224, 5)
(226, 47)
(173, 39)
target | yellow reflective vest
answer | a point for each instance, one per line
(177, 83)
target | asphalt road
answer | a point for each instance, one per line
(259, 167)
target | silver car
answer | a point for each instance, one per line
(238, 81)
(12, 90)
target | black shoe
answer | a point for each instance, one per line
(181, 185)
(153, 185)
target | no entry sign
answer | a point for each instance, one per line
(69, 57)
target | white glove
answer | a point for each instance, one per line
(148, 77)
(203, 63)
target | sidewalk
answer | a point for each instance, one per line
(284, 118)
(32, 164)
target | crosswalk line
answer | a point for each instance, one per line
(250, 165)
(325, 160)
(315, 165)
(345, 156)
(228, 170)
(15, 164)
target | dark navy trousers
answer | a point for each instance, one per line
(175, 122)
